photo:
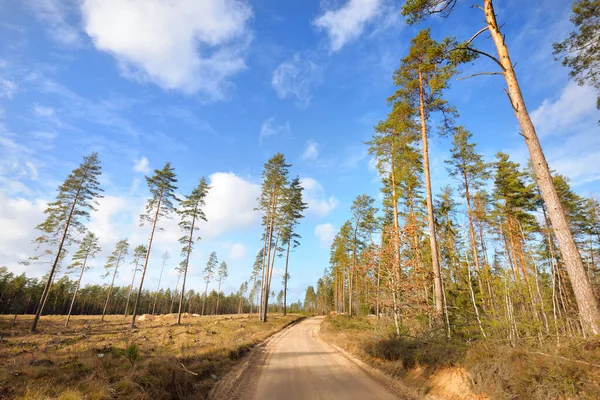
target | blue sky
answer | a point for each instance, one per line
(218, 86)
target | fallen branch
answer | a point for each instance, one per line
(187, 370)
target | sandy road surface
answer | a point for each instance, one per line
(300, 366)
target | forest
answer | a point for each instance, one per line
(509, 251)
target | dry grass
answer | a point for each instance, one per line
(455, 369)
(158, 360)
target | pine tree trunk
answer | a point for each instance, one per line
(158, 288)
(139, 294)
(285, 278)
(135, 268)
(269, 277)
(46, 291)
(589, 309)
(112, 283)
(76, 290)
(205, 295)
(437, 275)
(175, 293)
(218, 297)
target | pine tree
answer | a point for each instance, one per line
(139, 257)
(515, 200)
(208, 273)
(292, 213)
(160, 205)
(270, 202)
(341, 261)
(117, 256)
(417, 10)
(87, 249)
(222, 273)
(423, 76)
(76, 197)
(469, 168)
(256, 270)
(191, 210)
(363, 225)
(581, 50)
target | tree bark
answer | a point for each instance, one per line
(187, 260)
(76, 290)
(139, 295)
(204, 300)
(135, 268)
(285, 278)
(158, 288)
(588, 306)
(218, 297)
(437, 275)
(112, 283)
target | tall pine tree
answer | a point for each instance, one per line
(159, 205)
(76, 197)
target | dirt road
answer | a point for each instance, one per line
(300, 366)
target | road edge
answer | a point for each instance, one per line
(390, 383)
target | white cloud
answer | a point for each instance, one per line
(575, 106)
(295, 78)
(104, 221)
(235, 251)
(142, 166)
(56, 14)
(43, 111)
(325, 233)
(314, 196)
(7, 88)
(188, 45)
(311, 150)
(230, 205)
(348, 22)
(18, 218)
(568, 129)
(268, 129)
(33, 172)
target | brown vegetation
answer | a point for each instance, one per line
(160, 360)
(453, 369)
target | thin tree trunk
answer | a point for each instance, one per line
(588, 306)
(269, 278)
(42, 302)
(76, 290)
(472, 235)
(139, 295)
(218, 297)
(158, 288)
(112, 283)
(175, 293)
(205, 296)
(437, 275)
(135, 268)
(285, 277)
(473, 299)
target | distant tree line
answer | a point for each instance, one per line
(18, 294)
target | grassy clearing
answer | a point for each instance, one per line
(159, 360)
(456, 369)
